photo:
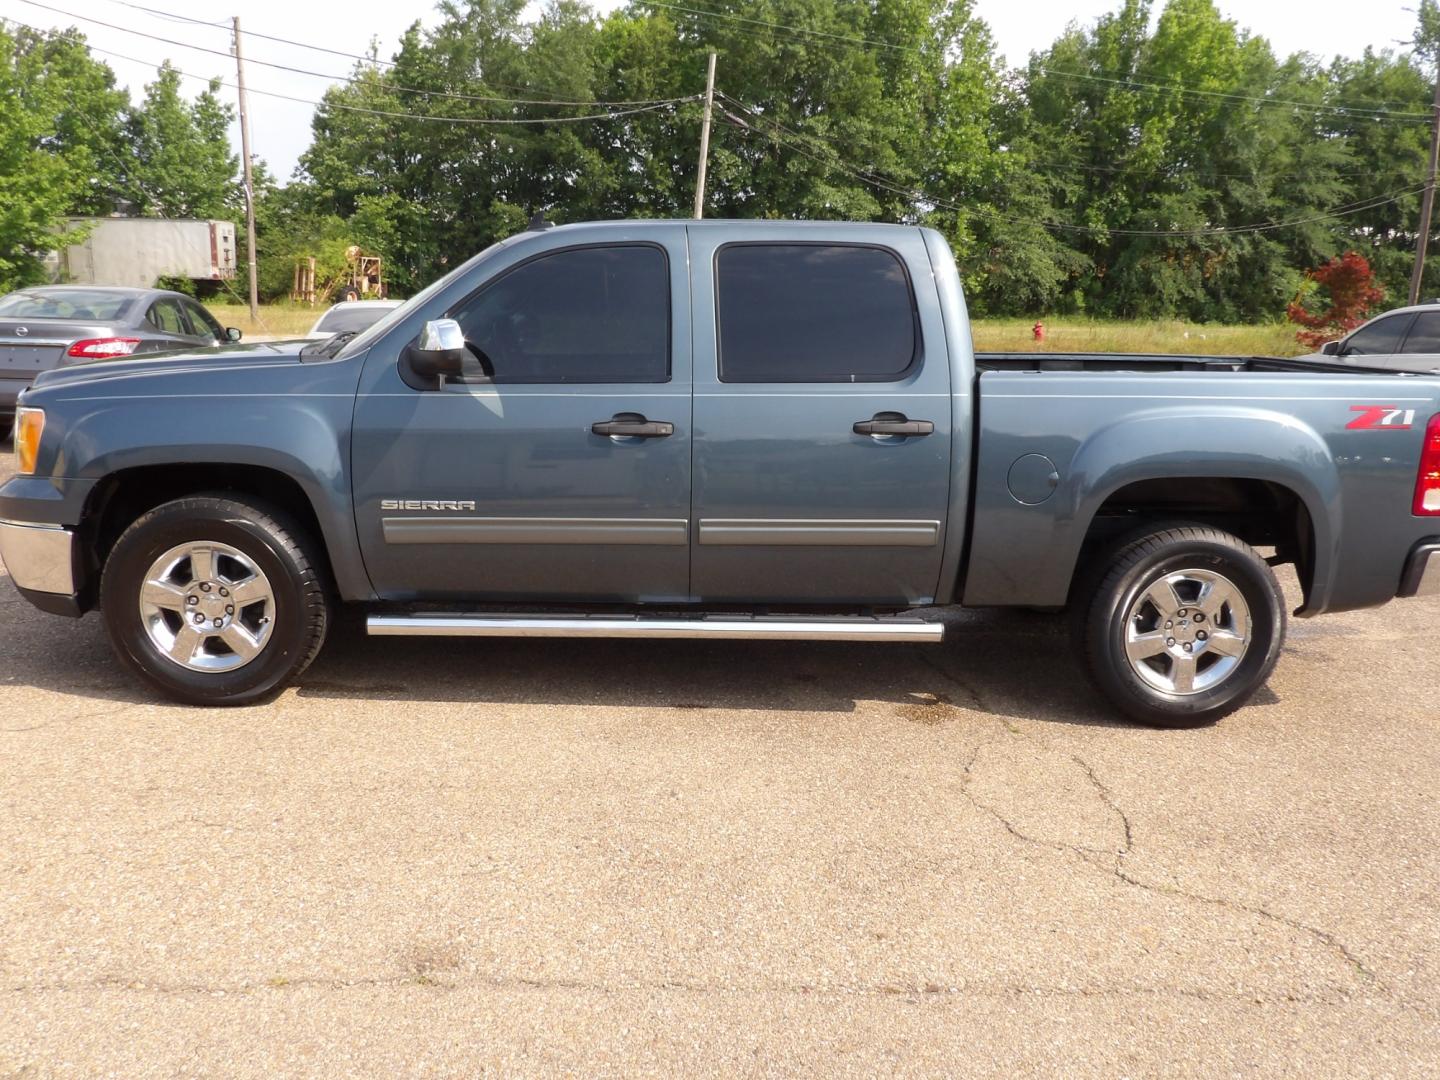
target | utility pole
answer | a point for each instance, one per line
(1427, 202)
(705, 137)
(249, 179)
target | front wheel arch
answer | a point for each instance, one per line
(123, 497)
(266, 540)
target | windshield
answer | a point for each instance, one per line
(366, 338)
(351, 317)
(64, 304)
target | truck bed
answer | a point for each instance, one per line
(1152, 362)
(1104, 437)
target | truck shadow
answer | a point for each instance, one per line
(1004, 663)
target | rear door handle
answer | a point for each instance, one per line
(632, 426)
(892, 423)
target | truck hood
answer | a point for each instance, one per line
(224, 357)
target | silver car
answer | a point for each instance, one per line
(54, 325)
(1406, 339)
(350, 316)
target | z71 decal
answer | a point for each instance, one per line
(1375, 417)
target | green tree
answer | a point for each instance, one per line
(181, 162)
(59, 124)
(1186, 170)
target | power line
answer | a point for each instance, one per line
(1354, 112)
(1071, 166)
(480, 120)
(324, 75)
(1137, 84)
(257, 34)
(1357, 112)
(834, 162)
(363, 58)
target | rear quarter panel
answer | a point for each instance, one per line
(1104, 430)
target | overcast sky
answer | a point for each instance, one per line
(280, 130)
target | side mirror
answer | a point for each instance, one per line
(1330, 348)
(439, 351)
(232, 333)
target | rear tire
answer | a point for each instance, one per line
(215, 600)
(1180, 625)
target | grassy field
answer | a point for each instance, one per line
(1089, 335)
(991, 335)
(276, 320)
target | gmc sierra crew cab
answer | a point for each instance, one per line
(767, 430)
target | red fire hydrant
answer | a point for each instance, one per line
(1039, 331)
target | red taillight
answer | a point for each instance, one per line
(101, 347)
(1427, 481)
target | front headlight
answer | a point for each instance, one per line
(29, 423)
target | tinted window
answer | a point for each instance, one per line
(1425, 334)
(1381, 336)
(584, 315)
(202, 323)
(812, 313)
(344, 317)
(166, 315)
(64, 304)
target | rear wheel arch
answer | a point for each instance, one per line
(1263, 513)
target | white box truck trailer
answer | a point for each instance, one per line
(137, 251)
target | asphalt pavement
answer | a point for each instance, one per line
(716, 858)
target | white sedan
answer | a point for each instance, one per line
(352, 316)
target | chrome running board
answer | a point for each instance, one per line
(765, 628)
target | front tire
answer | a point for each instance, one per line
(215, 600)
(1184, 626)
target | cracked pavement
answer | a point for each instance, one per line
(605, 858)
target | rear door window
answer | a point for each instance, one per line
(813, 313)
(1382, 336)
(166, 316)
(1424, 336)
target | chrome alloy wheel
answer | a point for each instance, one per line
(1187, 631)
(207, 606)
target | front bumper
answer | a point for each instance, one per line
(1421, 576)
(40, 558)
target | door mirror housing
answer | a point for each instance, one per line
(438, 351)
(1330, 348)
(232, 333)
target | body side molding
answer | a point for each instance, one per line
(747, 532)
(535, 530)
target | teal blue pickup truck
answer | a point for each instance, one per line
(718, 429)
